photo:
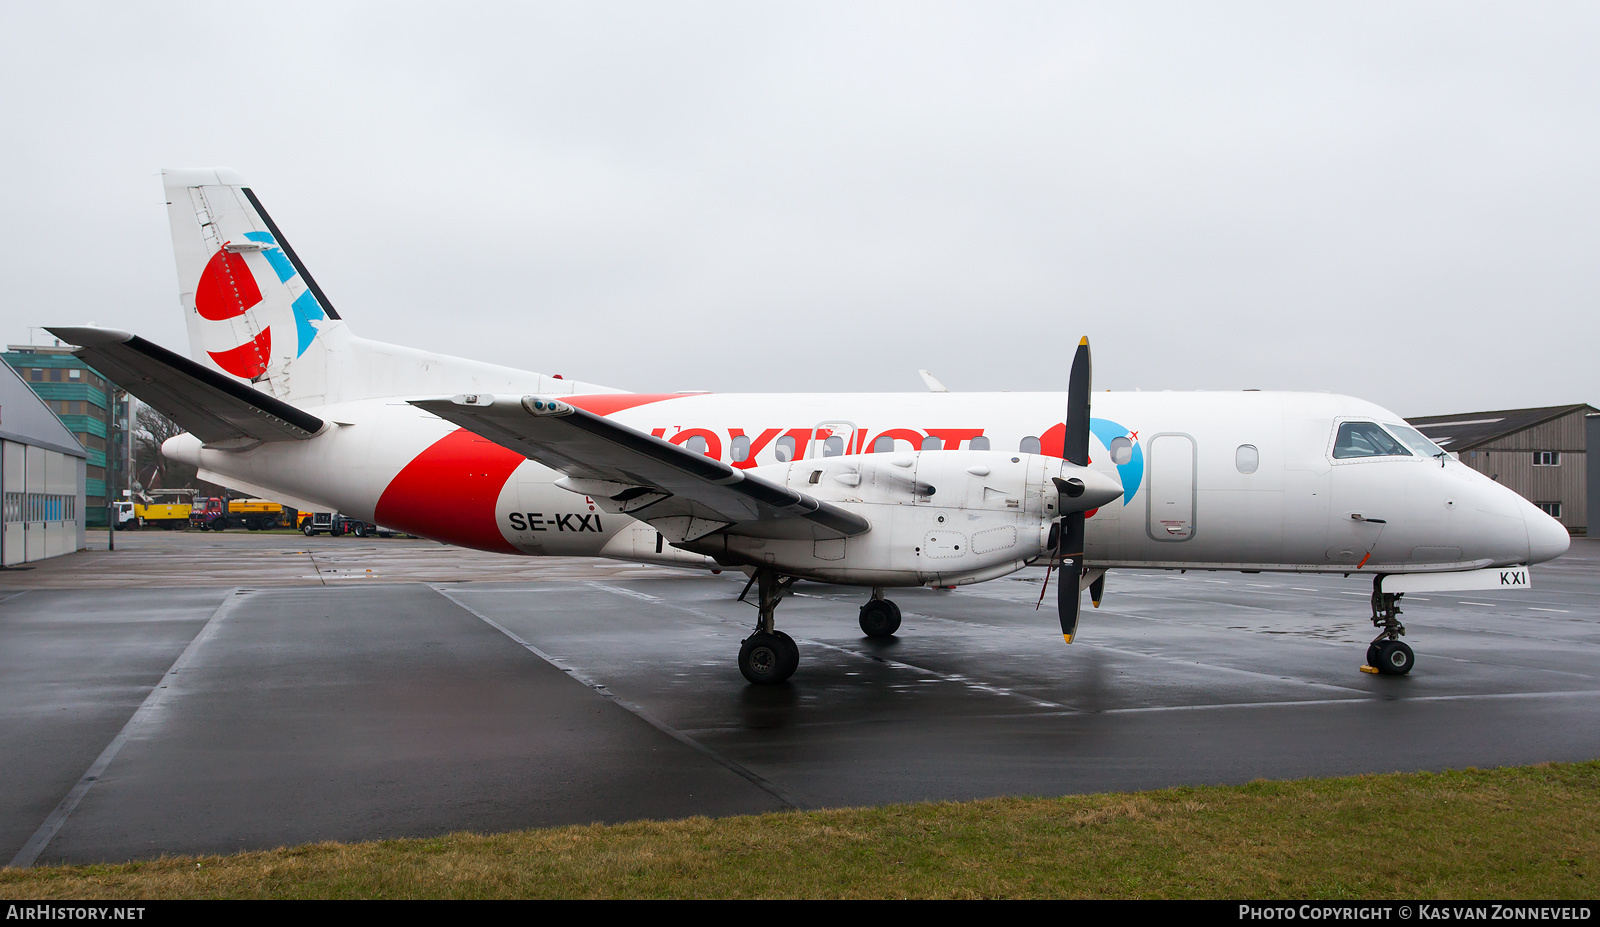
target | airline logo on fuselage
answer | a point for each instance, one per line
(1123, 446)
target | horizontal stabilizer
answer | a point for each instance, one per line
(217, 409)
(684, 494)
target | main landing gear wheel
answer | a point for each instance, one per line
(768, 658)
(880, 618)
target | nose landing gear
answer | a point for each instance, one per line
(1387, 654)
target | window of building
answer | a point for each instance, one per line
(36, 374)
(55, 374)
(1553, 509)
(74, 374)
(1547, 458)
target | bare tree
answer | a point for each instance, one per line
(152, 469)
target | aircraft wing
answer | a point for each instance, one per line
(214, 408)
(683, 494)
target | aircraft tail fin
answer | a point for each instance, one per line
(253, 309)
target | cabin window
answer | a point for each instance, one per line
(1366, 439)
(1029, 445)
(883, 444)
(741, 448)
(930, 443)
(1121, 450)
(696, 445)
(784, 449)
(1547, 459)
(1247, 458)
(980, 443)
(833, 447)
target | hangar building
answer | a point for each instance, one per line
(42, 477)
(1541, 453)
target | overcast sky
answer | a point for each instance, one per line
(1392, 200)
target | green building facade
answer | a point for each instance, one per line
(78, 395)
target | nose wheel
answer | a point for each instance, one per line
(1387, 654)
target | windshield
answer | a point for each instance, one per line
(1366, 439)
(1416, 440)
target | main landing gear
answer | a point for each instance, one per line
(879, 617)
(1387, 654)
(769, 656)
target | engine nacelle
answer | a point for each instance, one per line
(938, 517)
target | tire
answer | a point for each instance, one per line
(361, 530)
(219, 524)
(764, 660)
(1395, 658)
(791, 653)
(880, 618)
(307, 530)
(1373, 657)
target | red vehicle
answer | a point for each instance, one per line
(213, 513)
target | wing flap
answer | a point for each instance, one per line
(684, 494)
(214, 408)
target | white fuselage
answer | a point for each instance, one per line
(1242, 480)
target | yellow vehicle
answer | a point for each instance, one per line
(213, 514)
(164, 515)
(150, 510)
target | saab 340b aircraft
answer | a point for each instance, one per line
(281, 399)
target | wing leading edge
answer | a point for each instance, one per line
(683, 494)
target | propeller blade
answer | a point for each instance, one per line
(1068, 593)
(1075, 448)
(1097, 589)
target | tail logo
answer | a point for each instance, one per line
(227, 290)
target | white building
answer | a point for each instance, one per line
(42, 477)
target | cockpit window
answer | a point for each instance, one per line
(1416, 440)
(1366, 439)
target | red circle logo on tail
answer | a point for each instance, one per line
(226, 288)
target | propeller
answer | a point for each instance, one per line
(1075, 449)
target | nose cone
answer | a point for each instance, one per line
(1547, 539)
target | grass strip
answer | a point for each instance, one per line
(1521, 832)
